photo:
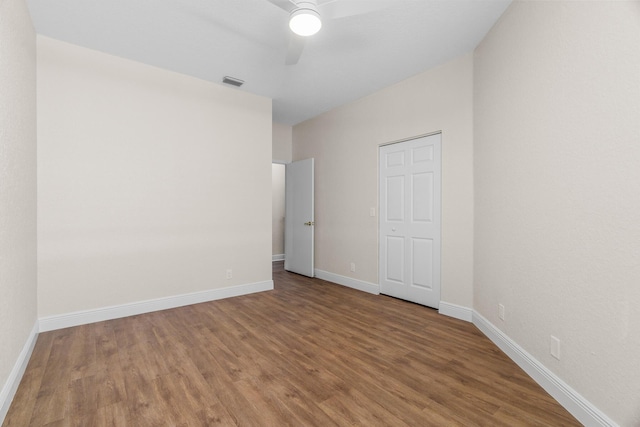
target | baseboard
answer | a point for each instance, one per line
(455, 311)
(572, 401)
(51, 323)
(15, 376)
(279, 257)
(349, 282)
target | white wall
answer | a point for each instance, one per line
(17, 188)
(282, 142)
(345, 143)
(277, 208)
(557, 190)
(150, 183)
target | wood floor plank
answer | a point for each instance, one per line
(215, 416)
(23, 402)
(354, 408)
(111, 415)
(308, 353)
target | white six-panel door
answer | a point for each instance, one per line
(410, 220)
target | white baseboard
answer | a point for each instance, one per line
(15, 376)
(279, 257)
(572, 401)
(60, 321)
(349, 282)
(455, 311)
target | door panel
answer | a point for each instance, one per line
(395, 259)
(422, 207)
(421, 262)
(410, 220)
(395, 202)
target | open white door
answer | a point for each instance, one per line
(299, 219)
(410, 220)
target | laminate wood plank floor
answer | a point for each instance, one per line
(308, 353)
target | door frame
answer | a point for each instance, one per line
(380, 207)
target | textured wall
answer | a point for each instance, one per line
(282, 135)
(557, 199)
(151, 183)
(17, 182)
(345, 143)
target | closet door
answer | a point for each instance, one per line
(410, 220)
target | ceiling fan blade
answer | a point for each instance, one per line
(296, 46)
(286, 5)
(344, 8)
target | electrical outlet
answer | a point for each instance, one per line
(372, 212)
(501, 311)
(353, 266)
(229, 273)
(555, 347)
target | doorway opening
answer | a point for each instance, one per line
(277, 210)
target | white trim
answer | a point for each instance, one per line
(130, 309)
(15, 376)
(455, 311)
(349, 282)
(279, 257)
(572, 401)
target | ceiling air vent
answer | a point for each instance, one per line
(232, 81)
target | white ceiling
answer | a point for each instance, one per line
(349, 58)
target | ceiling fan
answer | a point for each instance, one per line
(305, 18)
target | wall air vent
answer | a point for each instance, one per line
(232, 81)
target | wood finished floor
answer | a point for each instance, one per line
(309, 353)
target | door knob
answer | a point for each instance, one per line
(310, 223)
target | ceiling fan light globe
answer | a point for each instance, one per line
(305, 22)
